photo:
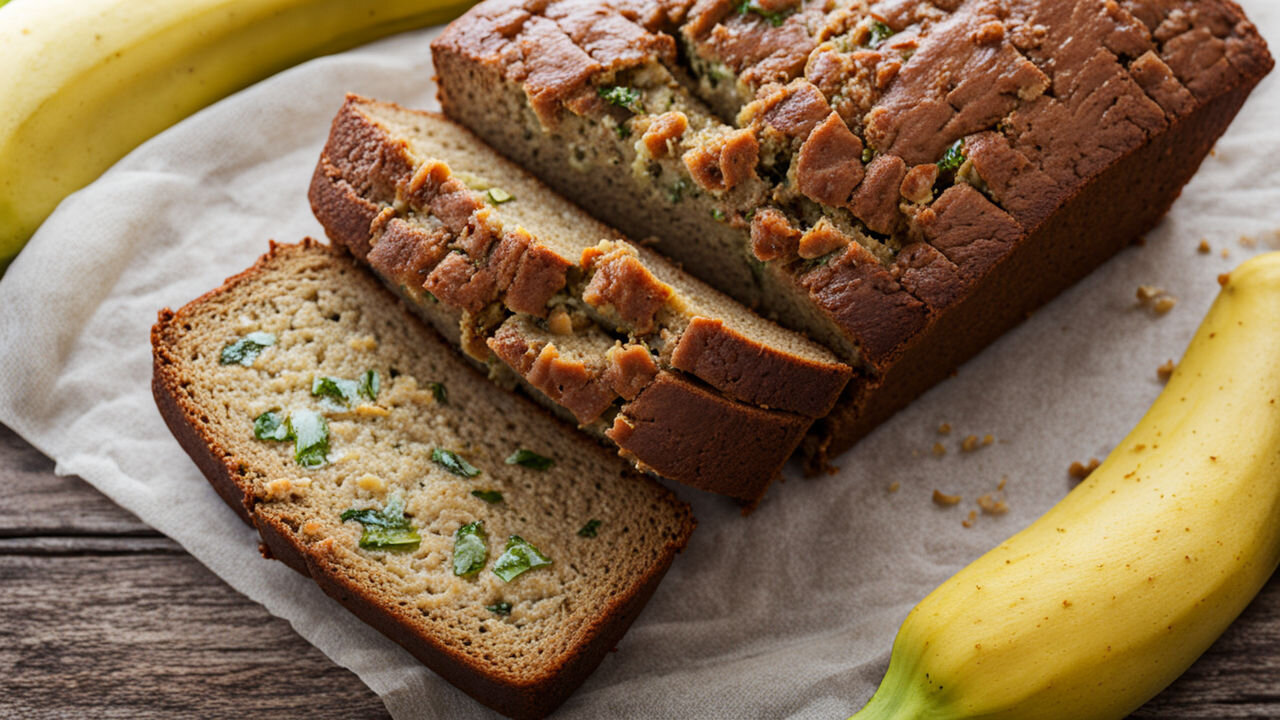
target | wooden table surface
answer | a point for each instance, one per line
(103, 617)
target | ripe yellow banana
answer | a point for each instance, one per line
(1113, 593)
(86, 81)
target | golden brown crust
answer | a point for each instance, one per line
(744, 369)
(533, 698)
(631, 368)
(664, 132)
(725, 162)
(344, 213)
(868, 302)
(667, 423)
(773, 237)
(698, 426)
(757, 50)
(790, 111)
(553, 51)
(1044, 101)
(929, 275)
(1101, 219)
(584, 391)
(618, 283)
(971, 231)
(829, 165)
(822, 239)
(622, 287)
(875, 200)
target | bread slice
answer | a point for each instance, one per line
(903, 181)
(430, 434)
(469, 239)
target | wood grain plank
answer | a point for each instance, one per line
(88, 545)
(155, 635)
(105, 618)
(37, 502)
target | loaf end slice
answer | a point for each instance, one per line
(408, 460)
(586, 318)
(425, 187)
(931, 172)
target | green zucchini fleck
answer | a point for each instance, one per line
(517, 558)
(245, 350)
(387, 529)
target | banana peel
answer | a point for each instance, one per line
(1107, 598)
(86, 81)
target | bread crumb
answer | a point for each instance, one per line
(1225, 253)
(1080, 472)
(1156, 298)
(1165, 371)
(968, 522)
(893, 486)
(939, 449)
(558, 322)
(367, 410)
(942, 498)
(1248, 242)
(372, 483)
(988, 439)
(1224, 278)
(944, 429)
(286, 382)
(1147, 293)
(1003, 481)
(991, 506)
(284, 488)
(970, 443)
(1203, 248)
(365, 343)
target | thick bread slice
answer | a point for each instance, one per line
(915, 176)
(436, 235)
(663, 425)
(427, 182)
(329, 318)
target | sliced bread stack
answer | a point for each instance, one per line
(904, 180)
(686, 381)
(504, 550)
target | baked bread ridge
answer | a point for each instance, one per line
(1003, 205)
(699, 331)
(561, 619)
(582, 387)
(1104, 217)
(384, 163)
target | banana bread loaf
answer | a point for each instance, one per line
(603, 328)
(502, 549)
(904, 180)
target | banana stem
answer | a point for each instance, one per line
(891, 703)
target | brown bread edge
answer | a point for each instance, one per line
(340, 210)
(219, 467)
(1093, 225)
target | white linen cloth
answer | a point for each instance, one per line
(789, 612)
